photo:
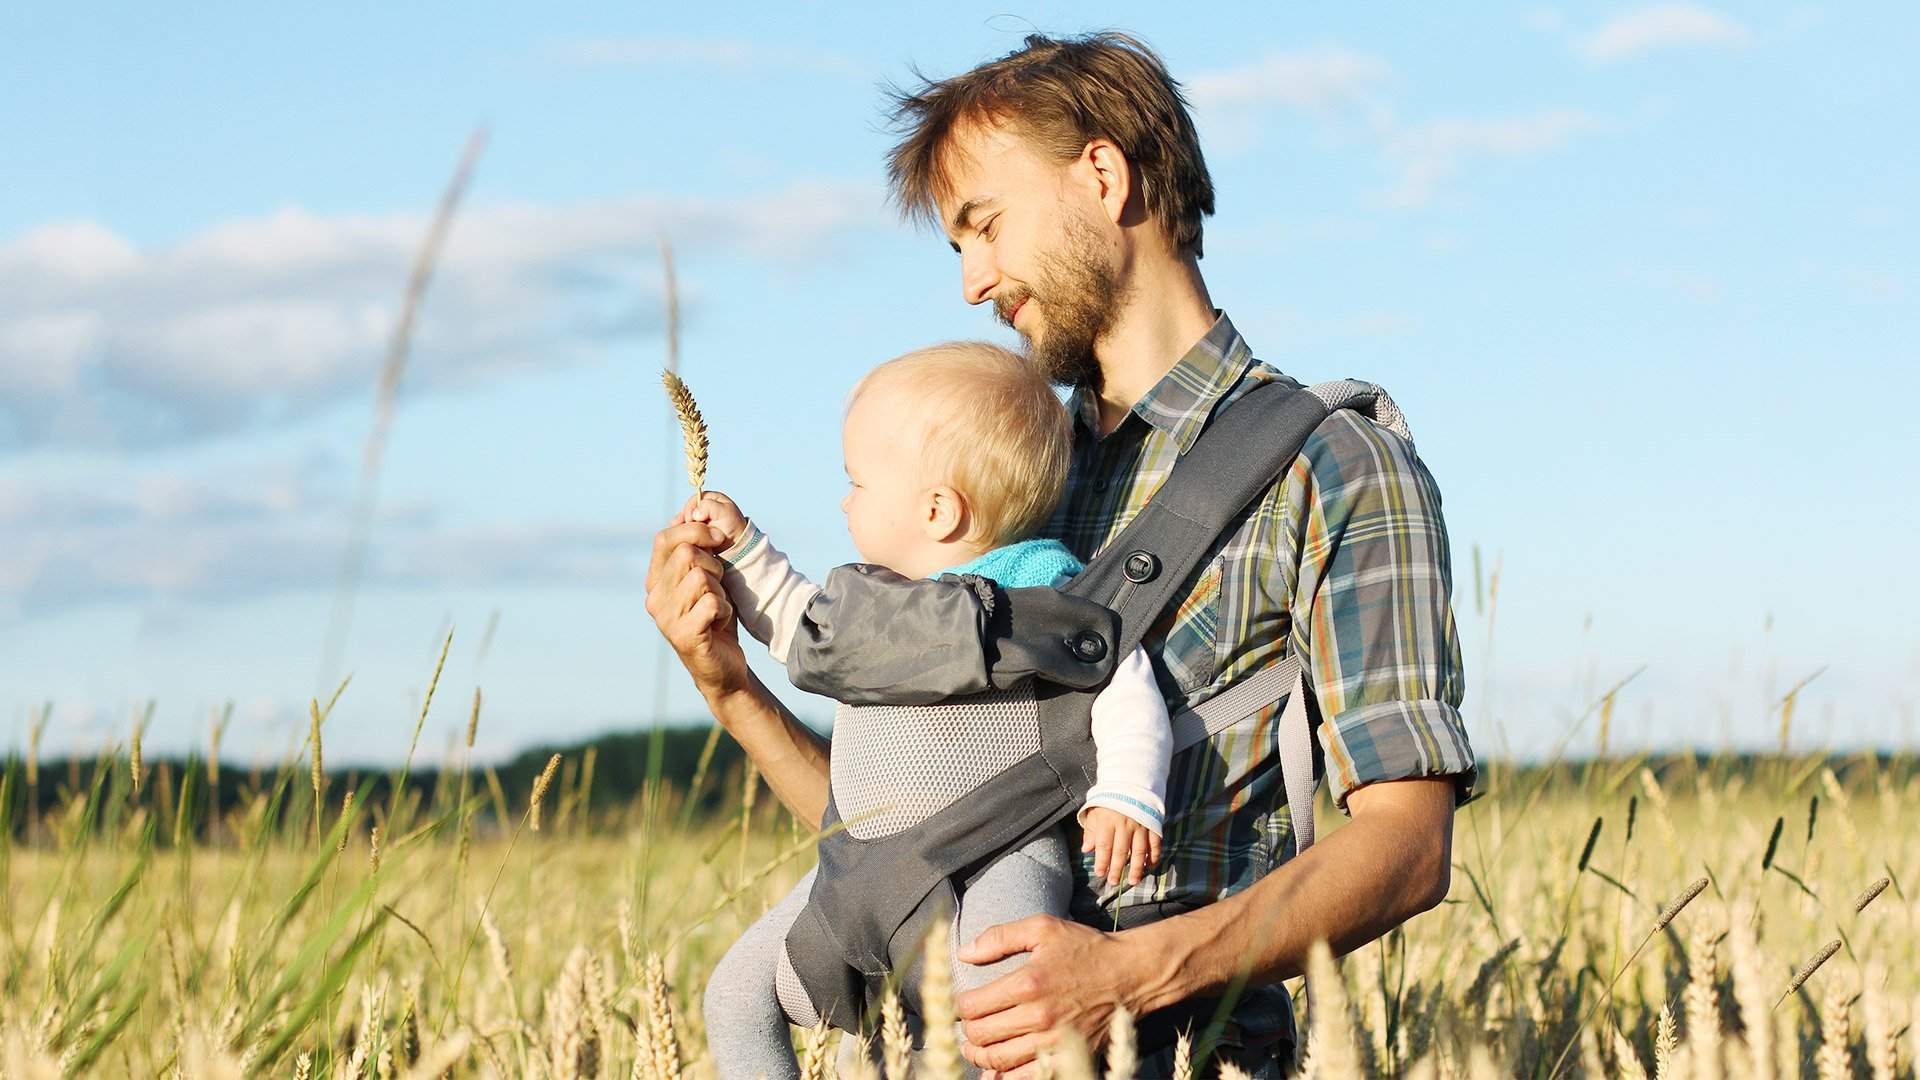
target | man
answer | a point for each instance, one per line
(1069, 179)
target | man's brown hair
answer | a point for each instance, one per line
(1059, 94)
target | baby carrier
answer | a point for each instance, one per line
(971, 778)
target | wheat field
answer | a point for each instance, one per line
(472, 932)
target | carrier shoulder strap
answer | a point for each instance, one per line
(1237, 458)
(1286, 679)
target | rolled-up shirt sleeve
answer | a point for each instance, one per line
(1372, 612)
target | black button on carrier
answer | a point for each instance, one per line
(1087, 646)
(1141, 567)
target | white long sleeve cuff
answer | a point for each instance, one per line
(1133, 743)
(767, 593)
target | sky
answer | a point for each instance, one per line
(1643, 278)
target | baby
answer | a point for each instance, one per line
(956, 455)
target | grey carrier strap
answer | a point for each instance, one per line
(1285, 679)
(880, 886)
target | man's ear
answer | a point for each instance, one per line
(947, 518)
(1110, 176)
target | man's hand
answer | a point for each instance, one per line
(689, 605)
(1073, 978)
(1388, 863)
(1120, 845)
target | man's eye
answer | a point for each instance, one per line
(991, 227)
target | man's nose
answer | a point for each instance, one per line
(978, 275)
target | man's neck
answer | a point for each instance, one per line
(1166, 311)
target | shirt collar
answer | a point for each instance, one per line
(1185, 397)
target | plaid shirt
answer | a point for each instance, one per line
(1343, 561)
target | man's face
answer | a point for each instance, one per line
(1031, 242)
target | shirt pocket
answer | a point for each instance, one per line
(1186, 633)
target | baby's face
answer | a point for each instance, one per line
(881, 445)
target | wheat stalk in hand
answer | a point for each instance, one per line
(691, 426)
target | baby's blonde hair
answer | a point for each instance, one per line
(990, 426)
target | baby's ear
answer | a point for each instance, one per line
(947, 517)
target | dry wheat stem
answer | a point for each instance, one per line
(219, 728)
(540, 785)
(693, 428)
(1807, 969)
(398, 346)
(670, 282)
(33, 744)
(319, 766)
(1667, 915)
(133, 755)
(1872, 893)
(346, 807)
(426, 702)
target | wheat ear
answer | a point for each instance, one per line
(692, 427)
(319, 765)
(896, 1044)
(1807, 969)
(942, 1055)
(540, 785)
(665, 1039)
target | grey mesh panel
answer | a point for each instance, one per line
(894, 766)
(1366, 399)
(791, 993)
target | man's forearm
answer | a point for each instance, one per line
(790, 755)
(1360, 882)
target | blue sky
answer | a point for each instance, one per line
(1642, 276)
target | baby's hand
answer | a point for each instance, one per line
(1119, 844)
(717, 511)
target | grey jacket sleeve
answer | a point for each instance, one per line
(874, 637)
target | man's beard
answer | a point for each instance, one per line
(1079, 294)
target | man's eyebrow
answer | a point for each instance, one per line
(967, 208)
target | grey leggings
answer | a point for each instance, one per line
(747, 1029)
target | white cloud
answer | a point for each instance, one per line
(160, 537)
(1433, 152)
(103, 343)
(1353, 89)
(1319, 80)
(1662, 26)
(733, 55)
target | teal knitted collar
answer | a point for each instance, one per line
(1022, 565)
